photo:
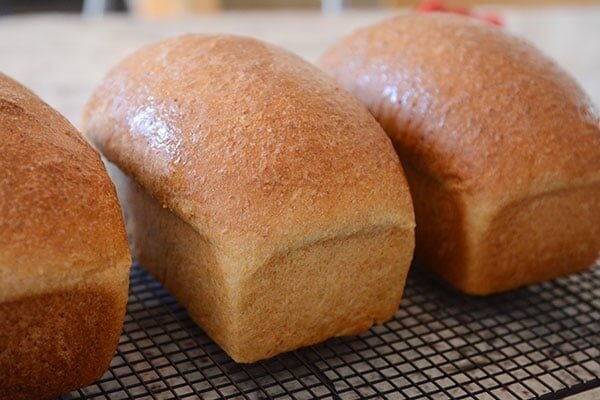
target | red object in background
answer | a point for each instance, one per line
(439, 6)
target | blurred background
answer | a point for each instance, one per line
(170, 8)
(61, 49)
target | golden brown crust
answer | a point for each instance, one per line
(483, 112)
(482, 121)
(253, 146)
(59, 214)
(64, 258)
(269, 174)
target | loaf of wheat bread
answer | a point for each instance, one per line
(501, 147)
(265, 198)
(64, 259)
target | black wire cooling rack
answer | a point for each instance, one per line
(537, 342)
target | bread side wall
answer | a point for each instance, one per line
(53, 343)
(441, 232)
(340, 286)
(179, 258)
(335, 287)
(539, 238)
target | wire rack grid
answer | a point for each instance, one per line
(537, 342)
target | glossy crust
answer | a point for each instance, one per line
(257, 155)
(64, 260)
(500, 146)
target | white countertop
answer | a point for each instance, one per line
(62, 57)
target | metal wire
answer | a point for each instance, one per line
(537, 342)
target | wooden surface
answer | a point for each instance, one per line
(63, 57)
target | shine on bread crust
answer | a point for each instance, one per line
(500, 146)
(64, 259)
(269, 175)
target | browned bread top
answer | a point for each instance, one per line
(257, 149)
(472, 106)
(59, 216)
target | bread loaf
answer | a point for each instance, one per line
(265, 198)
(501, 148)
(64, 259)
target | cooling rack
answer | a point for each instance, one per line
(542, 341)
